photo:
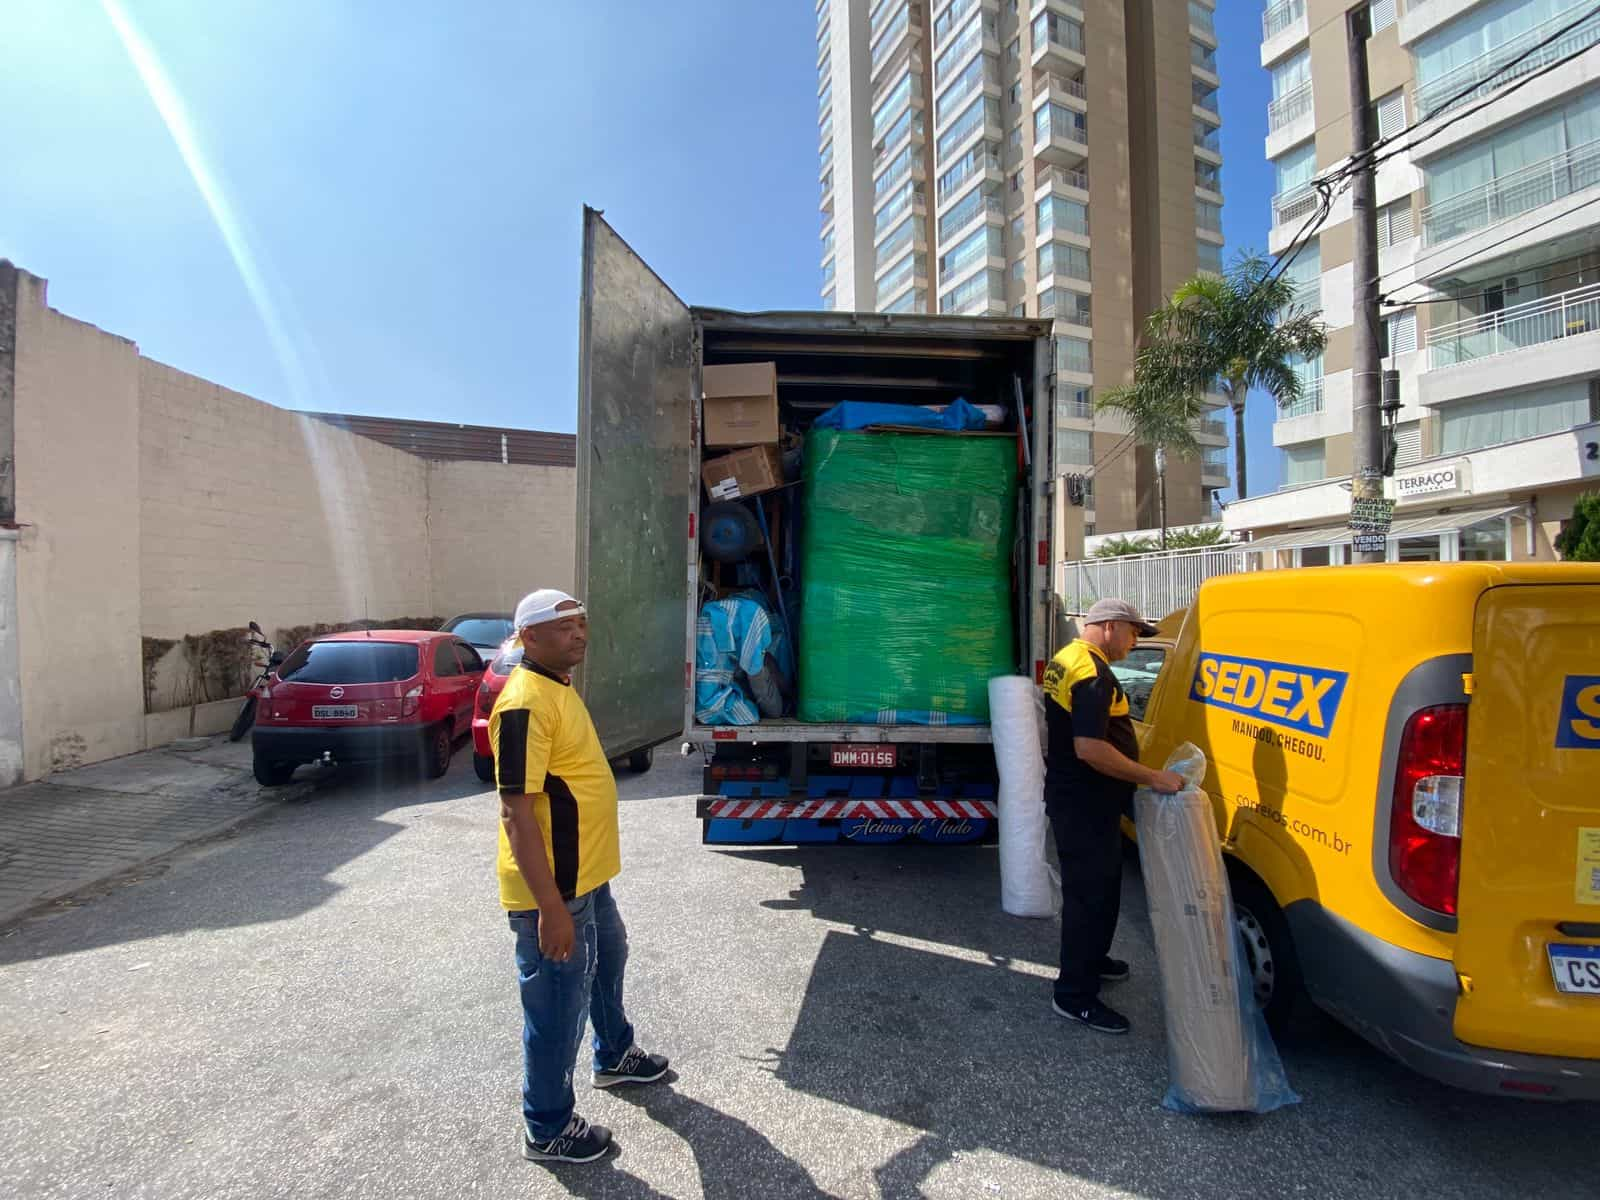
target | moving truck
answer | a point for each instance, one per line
(1404, 762)
(643, 574)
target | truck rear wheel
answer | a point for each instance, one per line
(639, 761)
(1271, 964)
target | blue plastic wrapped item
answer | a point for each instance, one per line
(859, 414)
(1220, 1054)
(737, 651)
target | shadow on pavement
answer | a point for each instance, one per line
(964, 1047)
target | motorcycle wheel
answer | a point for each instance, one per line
(245, 719)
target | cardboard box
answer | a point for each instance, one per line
(747, 472)
(741, 404)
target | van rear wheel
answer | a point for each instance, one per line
(1271, 964)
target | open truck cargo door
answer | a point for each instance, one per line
(1528, 942)
(636, 418)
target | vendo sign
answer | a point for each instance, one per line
(1438, 480)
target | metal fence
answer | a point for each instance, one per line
(1155, 584)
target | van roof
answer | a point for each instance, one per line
(1365, 584)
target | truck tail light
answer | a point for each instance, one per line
(1425, 821)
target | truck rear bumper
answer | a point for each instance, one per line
(1404, 1004)
(801, 808)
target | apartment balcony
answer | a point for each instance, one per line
(1058, 44)
(1063, 266)
(1541, 183)
(1060, 135)
(1211, 433)
(981, 209)
(1294, 205)
(1208, 138)
(1284, 27)
(1071, 182)
(908, 164)
(982, 35)
(1202, 20)
(1067, 8)
(1063, 90)
(1548, 341)
(955, 100)
(985, 165)
(1203, 58)
(1067, 306)
(1075, 410)
(1208, 180)
(1214, 466)
(894, 208)
(1289, 107)
(1310, 402)
(909, 271)
(1510, 60)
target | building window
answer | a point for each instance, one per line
(1381, 14)
(1304, 464)
(1486, 541)
(1016, 181)
(1019, 270)
(1208, 257)
(1494, 420)
(1390, 112)
(1399, 333)
(1016, 228)
(1019, 310)
(1394, 223)
(1417, 549)
(1073, 354)
(1315, 556)
(1074, 448)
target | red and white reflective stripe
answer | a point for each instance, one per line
(816, 810)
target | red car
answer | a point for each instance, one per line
(494, 679)
(362, 697)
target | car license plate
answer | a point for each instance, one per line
(845, 755)
(1576, 969)
(334, 712)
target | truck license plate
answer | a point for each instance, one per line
(333, 712)
(1575, 968)
(846, 755)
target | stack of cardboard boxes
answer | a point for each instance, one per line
(741, 409)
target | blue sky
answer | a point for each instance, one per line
(396, 194)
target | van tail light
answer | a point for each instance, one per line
(485, 699)
(1425, 822)
(409, 706)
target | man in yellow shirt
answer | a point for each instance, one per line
(558, 854)
(1089, 780)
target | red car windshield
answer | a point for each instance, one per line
(350, 662)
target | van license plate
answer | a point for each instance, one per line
(1575, 968)
(334, 712)
(846, 755)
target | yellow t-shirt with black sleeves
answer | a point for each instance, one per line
(1083, 699)
(546, 748)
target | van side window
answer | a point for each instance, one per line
(1137, 674)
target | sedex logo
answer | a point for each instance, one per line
(1578, 726)
(1302, 698)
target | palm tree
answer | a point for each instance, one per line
(1158, 416)
(1240, 331)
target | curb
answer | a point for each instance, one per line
(66, 894)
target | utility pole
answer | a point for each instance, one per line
(1161, 483)
(1366, 476)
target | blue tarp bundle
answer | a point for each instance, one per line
(859, 414)
(733, 638)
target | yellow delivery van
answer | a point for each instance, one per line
(1405, 763)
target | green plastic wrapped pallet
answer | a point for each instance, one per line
(906, 609)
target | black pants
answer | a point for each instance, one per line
(1089, 844)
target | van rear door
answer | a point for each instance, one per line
(1528, 940)
(637, 408)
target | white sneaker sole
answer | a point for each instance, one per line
(607, 1081)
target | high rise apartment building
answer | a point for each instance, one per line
(1488, 227)
(1051, 158)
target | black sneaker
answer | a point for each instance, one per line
(580, 1142)
(1113, 970)
(1095, 1015)
(636, 1067)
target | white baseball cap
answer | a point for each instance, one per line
(536, 608)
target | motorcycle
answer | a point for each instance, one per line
(247, 713)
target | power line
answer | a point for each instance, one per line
(1495, 94)
(1391, 302)
(1449, 296)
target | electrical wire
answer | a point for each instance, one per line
(1448, 296)
(1392, 302)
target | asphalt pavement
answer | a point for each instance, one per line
(322, 1003)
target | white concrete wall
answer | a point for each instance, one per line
(156, 504)
(78, 562)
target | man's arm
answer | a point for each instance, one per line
(1108, 760)
(521, 741)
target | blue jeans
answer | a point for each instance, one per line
(557, 997)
